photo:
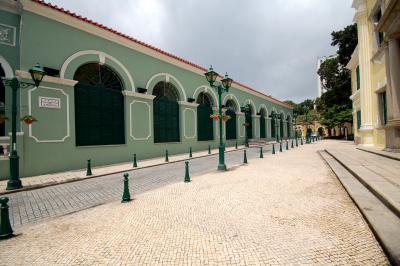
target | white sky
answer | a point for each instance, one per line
(270, 45)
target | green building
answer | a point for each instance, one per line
(107, 95)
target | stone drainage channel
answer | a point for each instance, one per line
(27, 207)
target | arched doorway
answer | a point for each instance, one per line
(166, 113)
(262, 124)
(230, 125)
(205, 127)
(99, 106)
(2, 100)
(249, 122)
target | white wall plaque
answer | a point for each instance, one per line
(48, 102)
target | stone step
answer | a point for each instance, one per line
(382, 221)
(390, 155)
(381, 182)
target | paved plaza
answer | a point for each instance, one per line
(287, 208)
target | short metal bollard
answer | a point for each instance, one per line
(134, 160)
(89, 168)
(273, 148)
(6, 230)
(166, 156)
(126, 196)
(187, 176)
(261, 153)
(190, 152)
(209, 149)
(244, 157)
(280, 146)
(297, 143)
(287, 145)
(301, 141)
(292, 145)
(236, 145)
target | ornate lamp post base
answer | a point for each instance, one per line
(221, 167)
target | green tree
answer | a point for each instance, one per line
(335, 104)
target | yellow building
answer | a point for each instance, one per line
(375, 71)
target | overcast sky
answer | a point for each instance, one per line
(270, 45)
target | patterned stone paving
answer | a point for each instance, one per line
(280, 210)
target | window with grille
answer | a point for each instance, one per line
(99, 106)
(166, 113)
(205, 127)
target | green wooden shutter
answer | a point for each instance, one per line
(231, 125)
(166, 120)
(249, 130)
(384, 106)
(99, 116)
(204, 122)
(358, 76)
(262, 126)
(358, 119)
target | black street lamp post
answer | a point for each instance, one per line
(211, 77)
(37, 75)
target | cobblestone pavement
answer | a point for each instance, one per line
(280, 210)
(80, 174)
(39, 204)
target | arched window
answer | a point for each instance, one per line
(205, 125)
(230, 126)
(99, 106)
(166, 113)
(289, 126)
(273, 126)
(2, 100)
(249, 122)
(262, 124)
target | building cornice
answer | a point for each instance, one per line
(10, 6)
(71, 19)
(353, 60)
(55, 80)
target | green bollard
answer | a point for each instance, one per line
(126, 196)
(190, 152)
(287, 145)
(236, 145)
(301, 141)
(209, 149)
(273, 148)
(6, 230)
(292, 145)
(89, 168)
(297, 143)
(187, 177)
(134, 160)
(166, 156)
(244, 157)
(261, 153)
(280, 146)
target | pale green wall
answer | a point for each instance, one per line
(48, 147)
